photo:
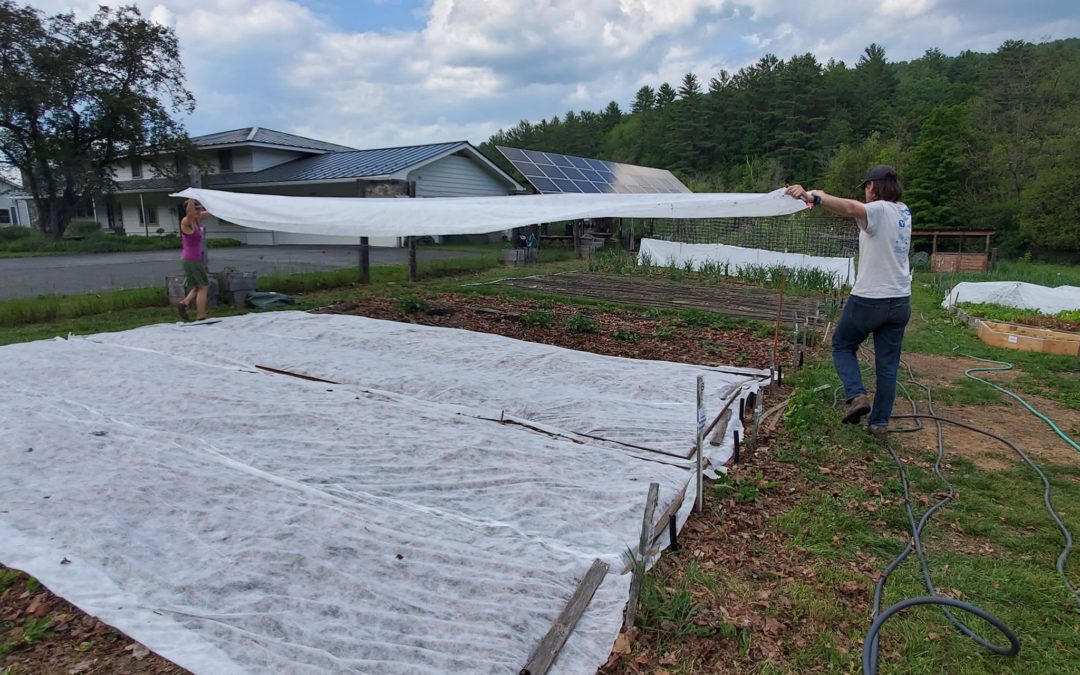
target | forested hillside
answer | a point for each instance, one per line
(982, 141)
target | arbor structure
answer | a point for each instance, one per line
(77, 96)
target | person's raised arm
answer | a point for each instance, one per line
(190, 219)
(849, 208)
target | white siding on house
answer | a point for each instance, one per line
(18, 211)
(456, 176)
(241, 159)
(122, 171)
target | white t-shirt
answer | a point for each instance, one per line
(883, 270)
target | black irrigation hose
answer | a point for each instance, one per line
(869, 657)
(1063, 557)
(871, 643)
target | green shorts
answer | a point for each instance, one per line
(196, 274)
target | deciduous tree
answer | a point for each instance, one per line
(77, 96)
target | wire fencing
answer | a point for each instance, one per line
(826, 236)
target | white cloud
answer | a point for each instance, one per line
(161, 15)
(470, 67)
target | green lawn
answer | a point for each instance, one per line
(1013, 577)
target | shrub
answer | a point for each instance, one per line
(412, 305)
(82, 228)
(13, 232)
(581, 323)
(538, 317)
(626, 335)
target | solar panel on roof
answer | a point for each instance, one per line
(544, 185)
(551, 173)
(514, 153)
(572, 173)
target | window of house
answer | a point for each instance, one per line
(151, 215)
(224, 158)
(136, 167)
(5, 217)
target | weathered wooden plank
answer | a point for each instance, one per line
(546, 653)
(642, 555)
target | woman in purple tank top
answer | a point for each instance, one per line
(192, 256)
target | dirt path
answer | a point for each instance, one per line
(1006, 418)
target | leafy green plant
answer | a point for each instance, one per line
(711, 347)
(7, 577)
(746, 489)
(36, 629)
(412, 305)
(626, 335)
(581, 323)
(664, 332)
(538, 317)
(674, 272)
(13, 232)
(1012, 314)
(671, 612)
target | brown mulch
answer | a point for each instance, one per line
(41, 633)
(752, 620)
(736, 537)
(739, 346)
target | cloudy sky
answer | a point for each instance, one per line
(377, 73)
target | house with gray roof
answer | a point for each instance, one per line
(13, 205)
(265, 161)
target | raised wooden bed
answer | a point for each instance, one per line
(1028, 339)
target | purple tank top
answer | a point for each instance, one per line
(191, 244)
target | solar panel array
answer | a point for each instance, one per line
(551, 173)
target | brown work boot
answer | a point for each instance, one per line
(859, 406)
(878, 430)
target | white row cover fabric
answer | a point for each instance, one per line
(403, 217)
(666, 253)
(430, 512)
(1016, 294)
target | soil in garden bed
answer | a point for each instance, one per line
(699, 338)
(729, 297)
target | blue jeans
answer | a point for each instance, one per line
(886, 319)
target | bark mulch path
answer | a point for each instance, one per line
(629, 334)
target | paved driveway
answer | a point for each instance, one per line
(71, 274)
